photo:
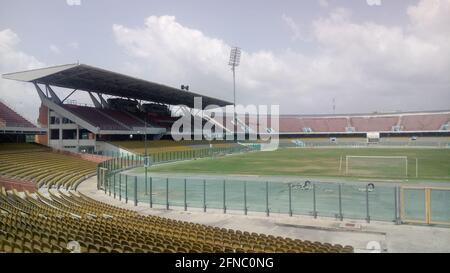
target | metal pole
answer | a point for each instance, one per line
(145, 132)
(234, 89)
(224, 197)
(290, 199)
(406, 167)
(367, 203)
(267, 198)
(114, 186)
(120, 187)
(102, 174)
(397, 205)
(167, 193)
(146, 186)
(185, 196)
(204, 195)
(234, 102)
(346, 165)
(417, 167)
(98, 177)
(126, 189)
(341, 217)
(135, 192)
(245, 197)
(314, 201)
(151, 192)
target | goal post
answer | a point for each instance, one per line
(376, 166)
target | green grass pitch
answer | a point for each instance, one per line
(434, 164)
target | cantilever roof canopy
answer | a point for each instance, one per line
(88, 78)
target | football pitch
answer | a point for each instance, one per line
(383, 163)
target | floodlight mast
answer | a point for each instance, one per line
(235, 58)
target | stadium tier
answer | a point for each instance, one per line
(9, 118)
(36, 223)
(383, 123)
(425, 122)
(374, 124)
(307, 125)
(99, 118)
(43, 166)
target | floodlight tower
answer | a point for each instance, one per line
(235, 58)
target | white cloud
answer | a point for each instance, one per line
(55, 49)
(293, 27)
(21, 97)
(324, 3)
(366, 66)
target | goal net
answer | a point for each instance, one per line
(376, 166)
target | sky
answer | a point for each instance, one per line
(369, 55)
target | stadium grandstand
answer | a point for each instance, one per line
(399, 123)
(386, 123)
(14, 127)
(81, 128)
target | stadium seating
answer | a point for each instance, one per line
(374, 124)
(124, 118)
(366, 123)
(164, 121)
(94, 117)
(110, 119)
(44, 167)
(9, 118)
(38, 223)
(424, 122)
(20, 147)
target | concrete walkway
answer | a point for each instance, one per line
(359, 234)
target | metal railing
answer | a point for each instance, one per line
(363, 201)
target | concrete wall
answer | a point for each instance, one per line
(108, 147)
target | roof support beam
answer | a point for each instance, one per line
(40, 92)
(95, 101)
(55, 98)
(68, 95)
(104, 103)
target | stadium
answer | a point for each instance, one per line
(352, 169)
(120, 175)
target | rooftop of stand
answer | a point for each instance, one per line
(93, 79)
